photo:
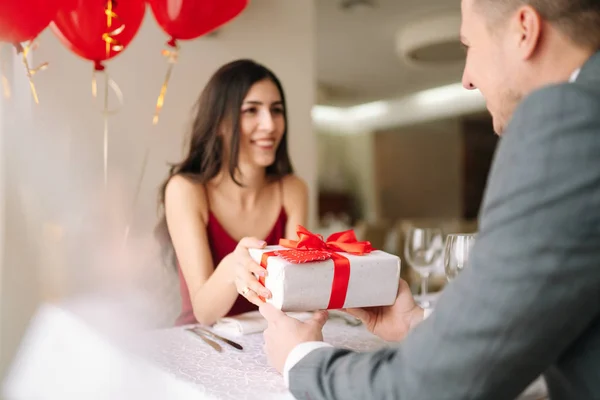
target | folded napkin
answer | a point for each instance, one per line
(250, 322)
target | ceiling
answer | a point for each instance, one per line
(356, 51)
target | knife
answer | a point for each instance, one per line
(219, 337)
(209, 342)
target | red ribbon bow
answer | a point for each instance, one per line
(340, 241)
(311, 247)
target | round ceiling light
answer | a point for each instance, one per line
(432, 41)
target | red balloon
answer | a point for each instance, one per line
(189, 19)
(23, 20)
(84, 28)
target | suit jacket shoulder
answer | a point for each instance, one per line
(566, 104)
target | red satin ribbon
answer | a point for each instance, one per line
(340, 241)
(263, 263)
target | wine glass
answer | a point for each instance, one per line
(422, 249)
(456, 253)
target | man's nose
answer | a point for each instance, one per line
(466, 81)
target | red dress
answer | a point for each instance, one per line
(221, 244)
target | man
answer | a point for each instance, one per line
(529, 303)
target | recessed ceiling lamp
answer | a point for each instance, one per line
(432, 41)
(356, 4)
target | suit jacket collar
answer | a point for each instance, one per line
(590, 72)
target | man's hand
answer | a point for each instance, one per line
(284, 333)
(391, 323)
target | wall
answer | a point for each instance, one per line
(55, 159)
(407, 171)
(19, 282)
(346, 164)
(419, 170)
(6, 72)
(480, 144)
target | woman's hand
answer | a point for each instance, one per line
(243, 268)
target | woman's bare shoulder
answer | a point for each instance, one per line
(294, 185)
(184, 192)
(295, 194)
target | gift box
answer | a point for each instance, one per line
(312, 273)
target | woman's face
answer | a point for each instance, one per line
(262, 124)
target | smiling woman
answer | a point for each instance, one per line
(234, 190)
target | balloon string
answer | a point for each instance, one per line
(105, 136)
(112, 85)
(172, 57)
(94, 85)
(106, 112)
(24, 51)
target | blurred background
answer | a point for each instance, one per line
(380, 128)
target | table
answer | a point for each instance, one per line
(246, 375)
(235, 374)
(87, 352)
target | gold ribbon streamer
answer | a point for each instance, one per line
(109, 37)
(24, 50)
(172, 57)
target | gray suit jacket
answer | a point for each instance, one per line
(529, 303)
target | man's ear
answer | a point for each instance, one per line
(527, 27)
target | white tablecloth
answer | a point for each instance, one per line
(245, 374)
(95, 356)
(235, 374)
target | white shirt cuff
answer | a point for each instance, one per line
(297, 354)
(427, 312)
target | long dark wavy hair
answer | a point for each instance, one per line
(220, 105)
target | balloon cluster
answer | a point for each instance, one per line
(98, 30)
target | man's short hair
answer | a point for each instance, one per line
(579, 20)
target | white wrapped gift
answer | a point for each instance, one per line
(373, 280)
